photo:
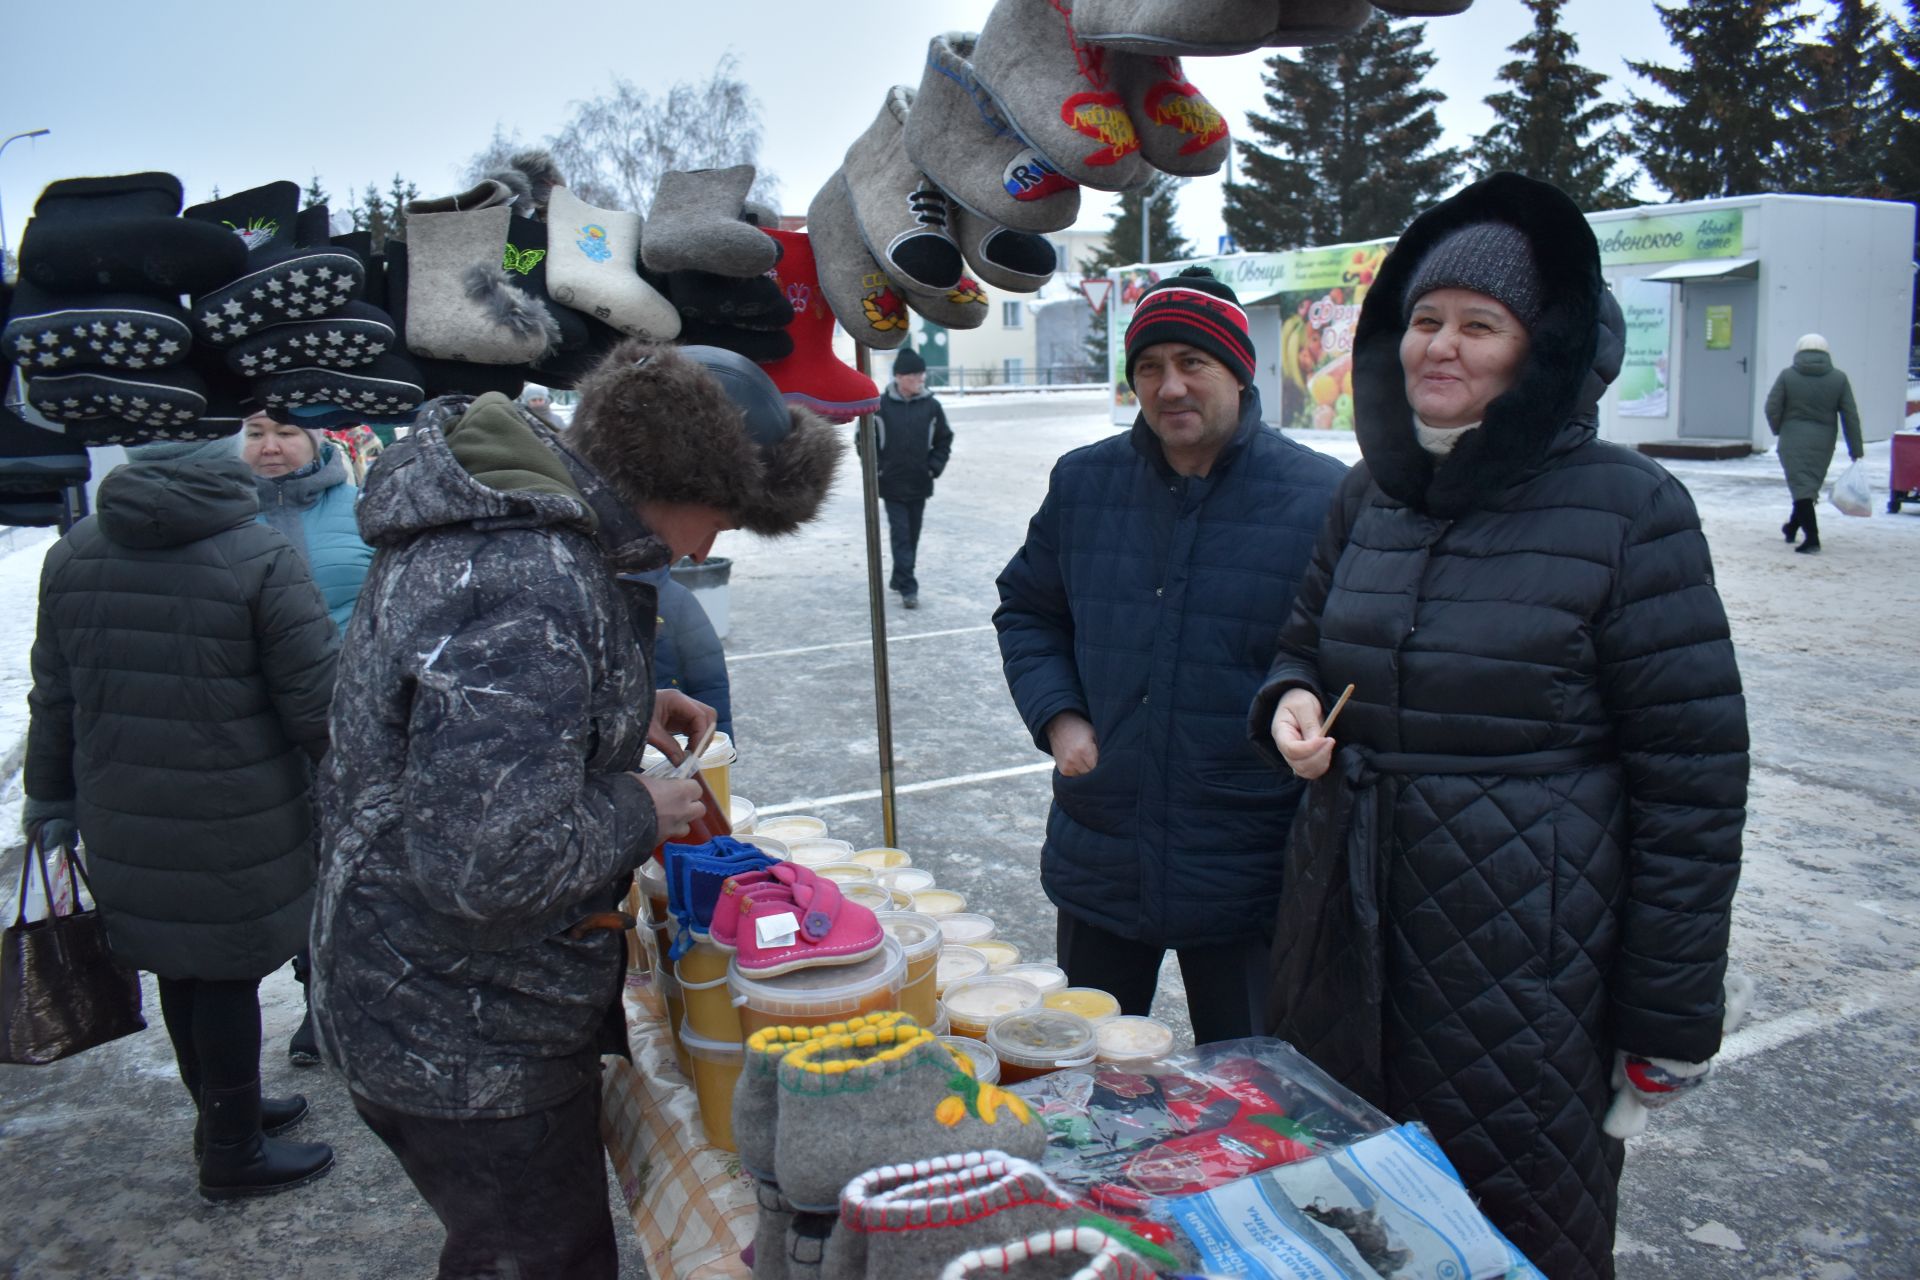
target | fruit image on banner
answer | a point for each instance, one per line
(1316, 337)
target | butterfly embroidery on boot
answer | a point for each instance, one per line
(522, 260)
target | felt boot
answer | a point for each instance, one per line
(965, 306)
(460, 305)
(239, 1160)
(695, 225)
(1423, 8)
(591, 257)
(354, 335)
(525, 262)
(858, 291)
(847, 1253)
(847, 1102)
(762, 346)
(36, 460)
(1172, 28)
(1180, 131)
(46, 333)
(1057, 91)
(450, 377)
(1016, 260)
(385, 387)
(565, 369)
(902, 215)
(121, 235)
(1063, 1253)
(957, 137)
(814, 375)
(1304, 22)
(282, 279)
(807, 1238)
(151, 401)
(770, 1232)
(360, 245)
(753, 303)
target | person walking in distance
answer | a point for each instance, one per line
(913, 444)
(1810, 404)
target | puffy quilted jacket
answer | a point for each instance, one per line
(1148, 603)
(1548, 709)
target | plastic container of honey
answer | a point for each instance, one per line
(986, 1065)
(741, 815)
(870, 896)
(883, 858)
(999, 952)
(791, 827)
(1039, 1042)
(825, 993)
(907, 879)
(901, 899)
(714, 1066)
(972, 1004)
(844, 873)
(768, 845)
(716, 767)
(1040, 976)
(821, 851)
(964, 928)
(1091, 1003)
(1131, 1041)
(955, 964)
(676, 1007)
(701, 975)
(938, 902)
(919, 939)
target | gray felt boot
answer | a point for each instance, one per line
(770, 1232)
(965, 306)
(1423, 8)
(1180, 131)
(957, 136)
(902, 214)
(1057, 90)
(915, 1228)
(460, 304)
(847, 1249)
(695, 225)
(849, 1103)
(1063, 1253)
(808, 1237)
(858, 292)
(1008, 259)
(591, 257)
(1304, 22)
(1206, 28)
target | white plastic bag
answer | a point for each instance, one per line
(1850, 493)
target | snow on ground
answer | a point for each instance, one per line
(20, 558)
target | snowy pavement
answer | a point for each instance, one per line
(1796, 1160)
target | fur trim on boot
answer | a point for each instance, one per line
(516, 312)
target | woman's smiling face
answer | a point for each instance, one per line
(1462, 350)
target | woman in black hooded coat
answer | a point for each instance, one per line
(1520, 862)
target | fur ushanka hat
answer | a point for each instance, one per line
(703, 425)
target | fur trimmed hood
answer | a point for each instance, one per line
(1576, 346)
(661, 428)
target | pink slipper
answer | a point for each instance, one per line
(776, 881)
(816, 927)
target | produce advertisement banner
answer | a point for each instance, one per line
(1672, 237)
(1642, 384)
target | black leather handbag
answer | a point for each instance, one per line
(61, 991)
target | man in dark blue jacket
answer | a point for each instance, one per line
(1136, 624)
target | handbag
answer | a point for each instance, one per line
(61, 990)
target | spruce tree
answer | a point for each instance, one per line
(1728, 127)
(1835, 150)
(314, 194)
(1553, 124)
(1122, 247)
(1350, 147)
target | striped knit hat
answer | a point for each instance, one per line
(1196, 308)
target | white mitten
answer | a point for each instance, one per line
(1640, 1084)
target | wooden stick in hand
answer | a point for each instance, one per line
(1326, 726)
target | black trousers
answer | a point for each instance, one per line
(523, 1197)
(903, 531)
(1226, 985)
(215, 1029)
(1806, 519)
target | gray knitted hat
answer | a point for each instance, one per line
(1487, 257)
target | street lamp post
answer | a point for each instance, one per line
(33, 133)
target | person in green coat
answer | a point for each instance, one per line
(1807, 403)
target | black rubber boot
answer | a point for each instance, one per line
(277, 1115)
(304, 1049)
(240, 1160)
(1810, 522)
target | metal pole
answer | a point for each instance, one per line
(1146, 221)
(877, 607)
(36, 133)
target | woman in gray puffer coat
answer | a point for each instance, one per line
(1806, 404)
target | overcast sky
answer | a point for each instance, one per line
(237, 95)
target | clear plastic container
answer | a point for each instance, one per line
(1040, 1042)
(768, 845)
(870, 896)
(901, 899)
(1132, 1041)
(1040, 976)
(825, 993)
(741, 815)
(716, 766)
(909, 879)
(791, 827)
(999, 952)
(845, 873)
(919, 939)
(941, 1023)
(884, 858)
(986, 1064)
(819, 851)
(964, 928)
(956, 964)
(938, 902)
(1091, 1003)
(714, 1067)
(701, 975)
(676, 1011)
(972, 1004)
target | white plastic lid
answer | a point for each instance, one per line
(1043, 1039)
(912, 879)
(871, 896)
(1091, 1003)
(957, 964)
(719, 751)
(999, 952)
(918, 935)
(836, 988)
(740, 815)
(938, 902)
(792, 826)
(964, 928)
(768, 845)
(1130, 1038)
(986, 1063)
(820, 851)
(976, 1002)
(843, 873)
(1042, 977)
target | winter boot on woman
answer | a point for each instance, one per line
(1810, 525)
(240, 1160)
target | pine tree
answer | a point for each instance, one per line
(1122, 247)
(1350, 148)
(1553, 124)
(1728, 127)
(1835, 149)
(314, 194)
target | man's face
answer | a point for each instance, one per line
(688, 528)
(911, 384)
(538, 403)
(1189, 399)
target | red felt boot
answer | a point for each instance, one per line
(813, 375)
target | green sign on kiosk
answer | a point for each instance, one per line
(1720, 328)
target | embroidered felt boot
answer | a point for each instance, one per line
(814, 375)
(695, 225)
(1211, 28)
(859, 292)
(1057, 91)
(282, 279)
(1015, 260)
(592, 265)
(525, 262)
(1180, 131)
(902, 215)
(460, 305)
(239, 1160)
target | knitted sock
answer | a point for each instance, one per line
(121, 235)
(860, 294)
(762, 346)
(1063, 1253)
(913, 1229)
(695, 225)
(1015, 260)
(590, 267)
(1180, 131)
(847, 1253)
(47, 333)
(756, 1094)
(753, 303)
(1057, 91)
(348, 338)
(1210, 28)
(1305, 22)
(814, 375)
(893, 1093)
(958, 138)
(902, 216)
(525, 262)
(459, 304)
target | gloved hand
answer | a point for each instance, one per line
(53, 818)
(1641, 1084)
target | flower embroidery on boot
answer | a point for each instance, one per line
(982, 1100)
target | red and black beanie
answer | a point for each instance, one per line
(1197, 308)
